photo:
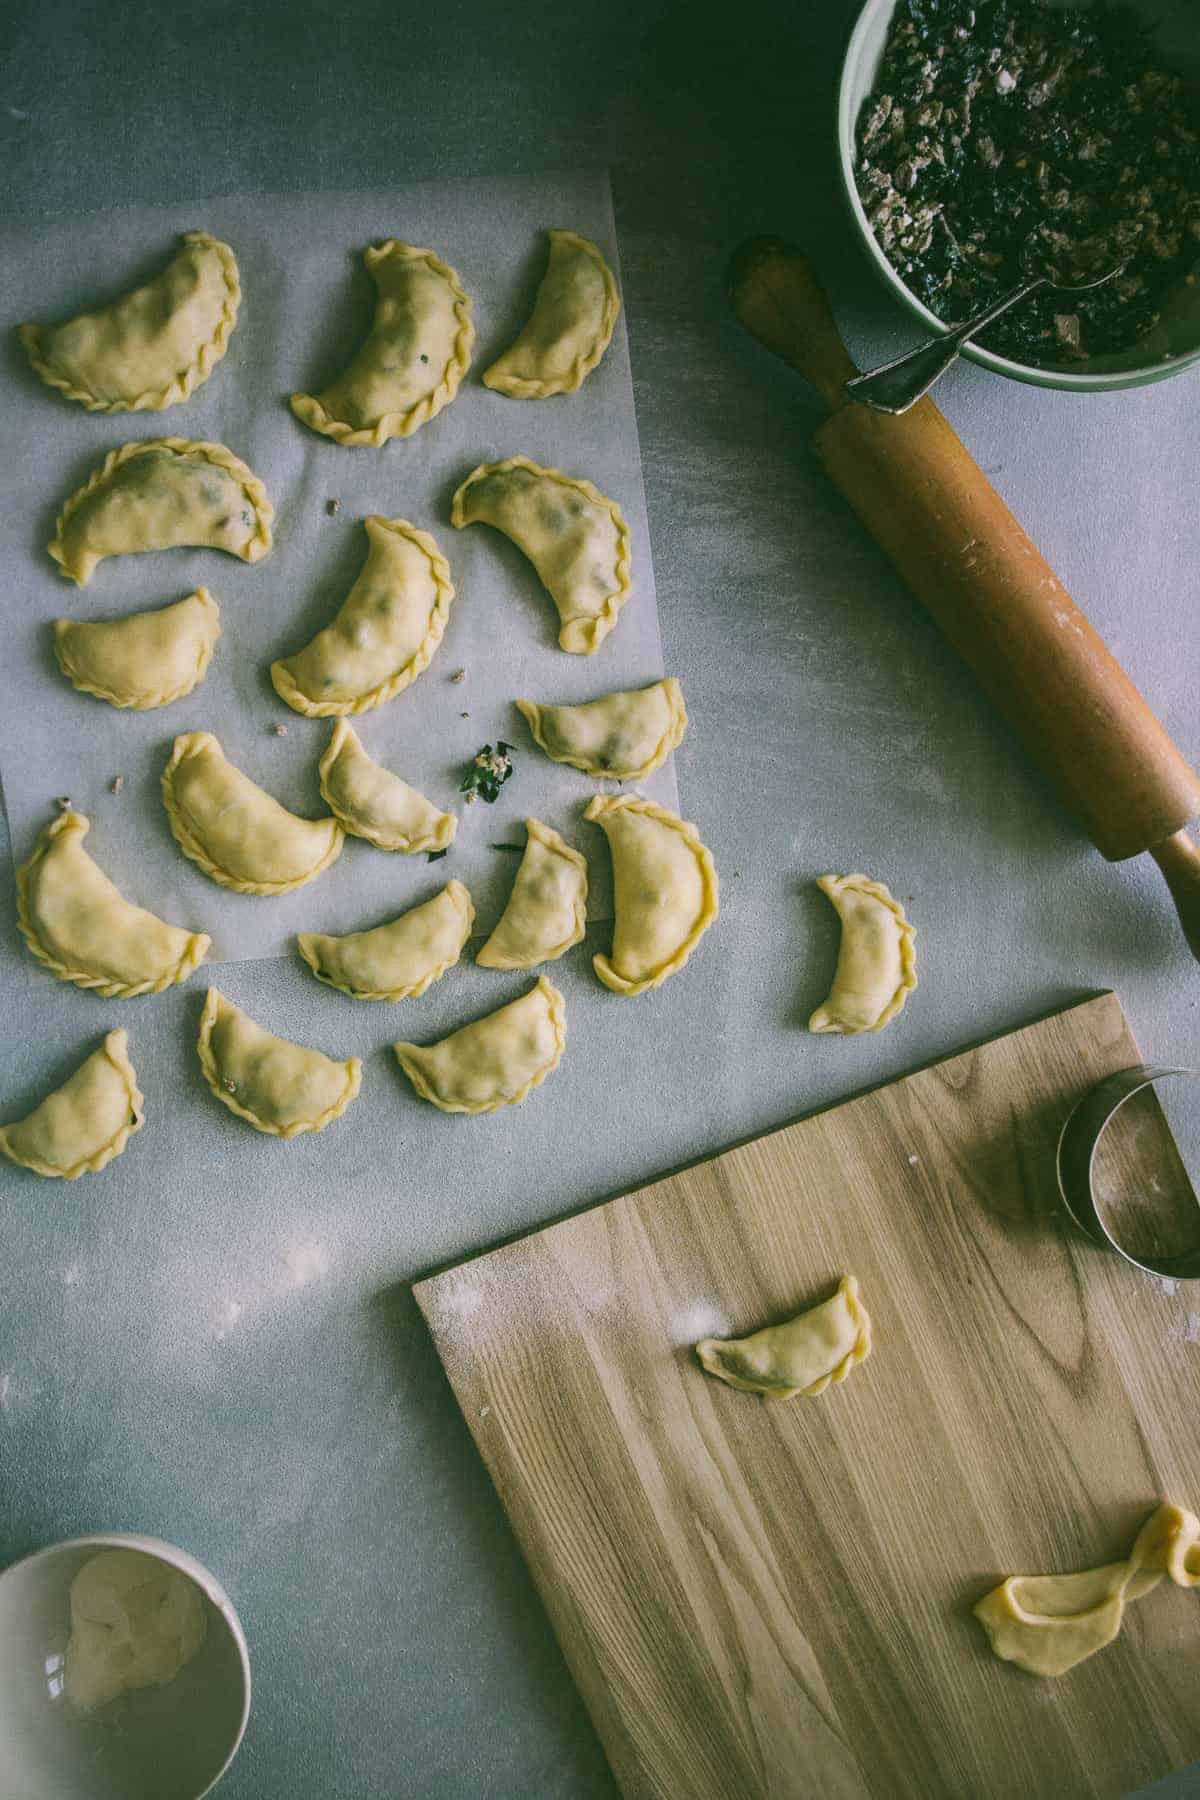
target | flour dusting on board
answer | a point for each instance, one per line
(692, 1323)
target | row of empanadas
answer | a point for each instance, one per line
(545, 916)
(168, 493)
(286, 1089)
(665, 887)
(78, 924)
(155, 345)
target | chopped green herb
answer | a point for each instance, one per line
(512, 849)
(435, 855)
(487, 773)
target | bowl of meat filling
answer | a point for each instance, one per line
(984, 141)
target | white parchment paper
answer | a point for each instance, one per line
(307, 301)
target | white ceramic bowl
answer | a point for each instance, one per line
(164, 1743)
(1172, 346)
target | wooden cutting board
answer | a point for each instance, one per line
(773, 1599)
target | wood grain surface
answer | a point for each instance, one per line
(773, 1599)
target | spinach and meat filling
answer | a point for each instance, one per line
(1010, 137)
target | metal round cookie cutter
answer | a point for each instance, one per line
(1077, 1146)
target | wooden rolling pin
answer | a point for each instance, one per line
(925, 500)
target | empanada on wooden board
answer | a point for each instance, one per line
(306, 295)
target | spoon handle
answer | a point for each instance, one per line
(897, 385)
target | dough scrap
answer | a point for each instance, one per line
(803, 1356)
(154, 346)
(570, 328)
(82, 1125)
(144, 660)
(547, 909)
(370, 802)
(876, 966)
(495, 1061)
(575, 537)
(1046, 1624)
(624, 735)
(279, 1087)
(399, 960)
(135, 1623)
(233, 830)
(384, 634)
(163, 494)
(81, 928)
(665, 892)
(413, 358)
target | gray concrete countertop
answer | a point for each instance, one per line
(214, 1342)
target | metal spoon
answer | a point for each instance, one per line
(897, 385)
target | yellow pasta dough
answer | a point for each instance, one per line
(575, 537)
(238, 834)
(84, 930)
(1046, 1624)
(665, 893)
(547, 909)
(496, 1061)
(399, 960)
(154, 346)
(414, 357)
(625, 735)
(876, 967)
(803, 1356)
(82, 1125)
(144, 660)
(281, 1088)
(372, 803)
(163, 494)
(385, 632)
(570, 328)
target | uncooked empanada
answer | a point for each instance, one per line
(84, 930)
(416, 353)
(155, 345)
(369, 801)
(385, 632)
(569, 329)
(145, 659)
(547, 908)
(399, 960)
(498, 1060)
(876, 966)
(278, 1087)
(626, 735)
(163, 494)
(84, 1123)
(236, 832)
(664, 891)
(574, 536)
(800, 1357)
(1046, 1624)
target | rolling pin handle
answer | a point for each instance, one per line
(779, 300)
(1179, 860)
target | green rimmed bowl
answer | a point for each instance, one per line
(1172, 346)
